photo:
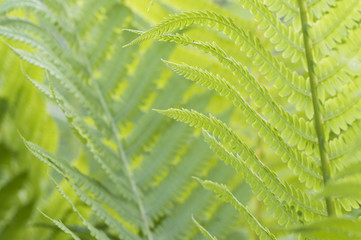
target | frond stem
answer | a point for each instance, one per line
(120, 149)
(125, 161)
(325, 163)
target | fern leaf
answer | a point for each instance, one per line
(343, 109)
(333, 229)
(291, 84)
(223, 193)
(348, 171)
(330, 29)
(286, 9)
(343, 145)
(344, 189)
(218, 128)
(279, 118)
(61, 226)
(63, 169)
(281, 211)
(194, 204)
(264, 129)
(290, 194)
(203, 230)
(108, 161)
(284, 39)
(99, 235)
(318, 8)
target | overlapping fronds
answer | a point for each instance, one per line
(289, 80)
(20, 173)
(139, 182)
(324, 36)
(223, 192)
(289, 83)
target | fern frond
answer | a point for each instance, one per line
(264, 129)
(279, 118)
(159, 198)
(34, 5)
(333, 229)
(285, 40)
(343, 144)
(344, 109)
(317, 8)
(62, 226)
(292, 85)
(88, 184)
(65, 76)
(286, 9)
(290, 194)
(343, 189)
(203, 230)
(280, 209)
(18, 99)
(99, 99)
(176, 224)
(223, 193)
(106, 157)
(304, 168)
(333, 27)
(335, 71)
(99, 210)
(219, 129)
(40, 10)
(99, 235)
(348, 171)
(234, 66)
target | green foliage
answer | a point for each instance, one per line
(284, 97)
(301, 58)
(138, 181)
(21, 176)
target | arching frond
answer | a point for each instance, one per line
(284, 97)
(203, 230)
(285, 40)
(223, 192)
(292, 85)
(280, 119)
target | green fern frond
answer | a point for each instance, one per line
(99, 235)
(333, 229)
(279, 118)
(101, 102)
(20, 175)
(61, 226)
(213, 125)
(292, 85)
(344, 189)
(348, 171)
(296, 83)
(280, 209)
(318, 8)
(342, 145)
(223, 193)
(203, 230)
(264, 129)
(299, 163)
(333, 27)
(284, 39)
(80, 180)
(286, 9)
(344, 109)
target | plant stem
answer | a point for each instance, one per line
(121, 152)
(325, 163)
